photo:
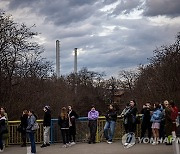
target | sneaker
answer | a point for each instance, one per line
(44, 145)
(64, 146)
(47, 144)
(68, 144)
(109, 142)
(73, 143)
(154, 143)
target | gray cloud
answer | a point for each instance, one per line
(162, 7)
(126, 6)
(108, 43)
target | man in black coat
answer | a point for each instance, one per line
(46, 124)
(146, 123)
(72, 124)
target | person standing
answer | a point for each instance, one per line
(23, 126)
(168, 122)
(125, 120)
(93, 117)
(3, 130)
(109, 128)
(146, 123)
(72, 124)
(31, 122)
(174, 114)
(63, 122)
(47, 126)
(5, 135)
(156, 120)
(131, 121)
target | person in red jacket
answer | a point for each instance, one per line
(174, 114)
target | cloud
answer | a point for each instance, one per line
(126, 6)
(110, 35)
(62, 12)
(162, 7)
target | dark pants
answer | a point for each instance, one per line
(72, 133)
(146, 127)
(32, 140)
(1, 142)
(131, 127)
(23, 137)
(126, 127)
(93, 130)
(162, 129)
(65, 135)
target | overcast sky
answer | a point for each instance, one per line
(110, 35)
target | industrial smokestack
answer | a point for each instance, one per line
(75, 60)
(57, 58)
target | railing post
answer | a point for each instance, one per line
(51, 131)
(97, 132)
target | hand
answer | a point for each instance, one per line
(73, 117)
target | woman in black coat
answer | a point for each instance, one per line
(2, 130)
(63, 122)
(72, 124)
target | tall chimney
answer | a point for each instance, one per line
(57, 58)
(75, 60)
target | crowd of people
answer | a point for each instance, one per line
(158, 120)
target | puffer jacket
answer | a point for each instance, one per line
(156, 116)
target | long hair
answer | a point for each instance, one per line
(64, 114)
(32, 111)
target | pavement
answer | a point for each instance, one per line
(98, 148)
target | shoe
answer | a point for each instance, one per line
(44, 145)
(89, 142)
(154, 143)
(109, 142)
(47, 144)
(64, 146)
(73, 143)
(1, 150)
(94, 142)
(68, 144)
(168, 143)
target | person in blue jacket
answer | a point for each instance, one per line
(156, 119)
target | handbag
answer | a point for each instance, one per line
(35, 126)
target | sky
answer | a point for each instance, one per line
(111, 35)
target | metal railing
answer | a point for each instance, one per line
(14, 137)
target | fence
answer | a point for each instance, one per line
(14, 137)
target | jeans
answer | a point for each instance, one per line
(1, 142)
(32, 140)
(46, 134)
(109, 129)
